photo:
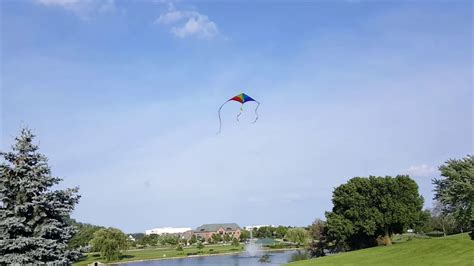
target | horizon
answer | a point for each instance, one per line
(123, 99)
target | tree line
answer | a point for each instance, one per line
(35, 223)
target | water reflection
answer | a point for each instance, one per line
(299, 255)
(275, 258)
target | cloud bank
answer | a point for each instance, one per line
(82, 8)
(422, 170)
(188, 24)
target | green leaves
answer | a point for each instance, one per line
(109, 242)
(298, 236)
(365, 208)
(456, 191)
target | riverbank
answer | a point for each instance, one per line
(138, 255)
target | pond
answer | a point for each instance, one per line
(276, 258)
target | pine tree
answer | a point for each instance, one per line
(34, 219)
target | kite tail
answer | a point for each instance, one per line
(256, 113)
(220, 120)
(240, 113)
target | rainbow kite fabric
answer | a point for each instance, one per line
(241, 98)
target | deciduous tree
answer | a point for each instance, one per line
(298, 236)
(456, 190)
(110, 242)
(366, 208)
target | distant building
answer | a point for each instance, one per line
(131, 238)
(206, 231)
(168, 230)
(251, 227)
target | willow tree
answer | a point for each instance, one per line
(110, 242)
(34, 219)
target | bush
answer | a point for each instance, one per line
(200, 245)
(235, 242)
(179, 248)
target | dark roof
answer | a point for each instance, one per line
(215, 227)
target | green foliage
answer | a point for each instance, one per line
(299, 255)
(299, 236)
(183, 241)
(235, 242)
(193, 239)
(316, 229)
(339, 230)
(35, 227)
(149, 240)
(216, 238)
(456, 190)
(280, 231)
(169, 240)
(425, 223)
(179, 247)
(244, 235)
(110, 242)
(85, 233)
(264, 232)
(437, 223)
(318, 234)
(227, 238)
(366, 208)
(200, 245)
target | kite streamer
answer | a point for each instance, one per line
(241, 98)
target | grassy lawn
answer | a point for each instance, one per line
(452, 250)
(158, 253)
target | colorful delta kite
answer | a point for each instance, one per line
(241, 98)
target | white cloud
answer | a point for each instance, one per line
(82, 8)
(421, 170)
(188, 23)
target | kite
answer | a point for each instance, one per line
(241, 98)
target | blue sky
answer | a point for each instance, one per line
(123, 96)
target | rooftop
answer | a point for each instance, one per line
(215, 227)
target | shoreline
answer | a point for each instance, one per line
(201, 255)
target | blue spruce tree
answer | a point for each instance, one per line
(34, 219)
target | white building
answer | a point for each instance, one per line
(167, 230)
(251, 227)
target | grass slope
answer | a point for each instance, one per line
(452, 250)
(160, 253)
